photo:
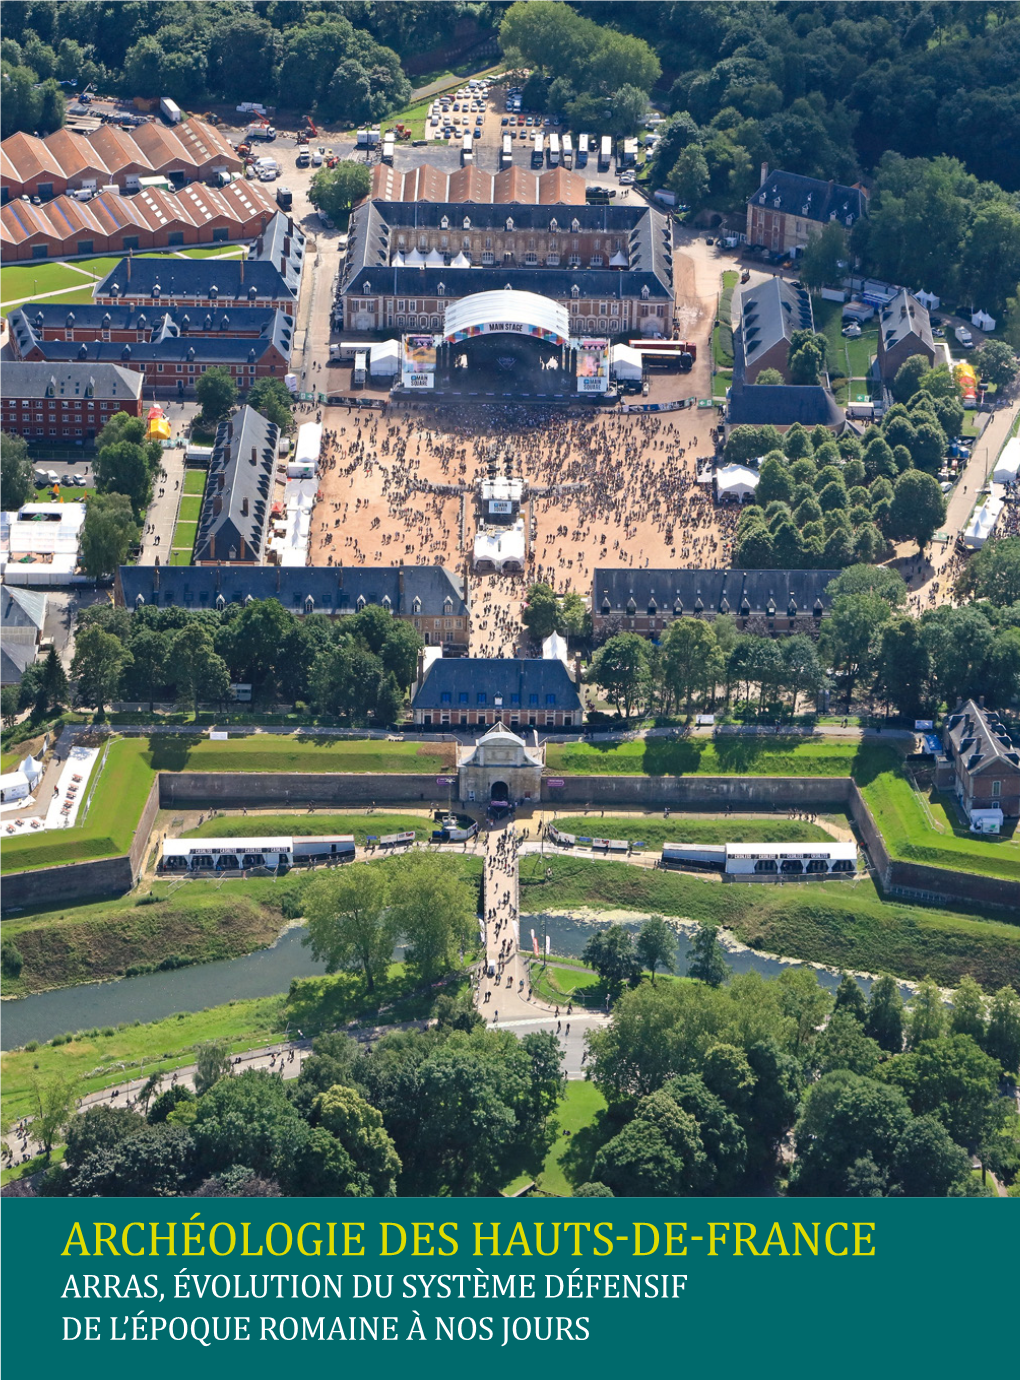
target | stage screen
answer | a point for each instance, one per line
(592, 366)
(419, 361)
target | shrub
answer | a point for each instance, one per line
(11, 960)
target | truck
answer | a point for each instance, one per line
(265, 133)
(170, 111)
(568, 151)
(360, 368)
(964, 336)
(389, 143)
(554, 150)
(304, 157)
(605, 153)
(628, 153)
(467, 151)
(284, 198)
(582, 150)
(507, 155)
(538, 152)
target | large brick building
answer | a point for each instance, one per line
(66, 402)
(428, 596)
(788, 209)
(64, 161)
(986, 764)
(647, 601)
(610, 267)
(904, 330)
(171, 346)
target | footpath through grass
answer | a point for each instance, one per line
(734, 754)
(577, 1116)
(281, 825)
(656, 831)
(842, 924)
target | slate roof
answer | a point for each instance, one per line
(127, 316)
(475, 675)
(375, 226)
(166, 343)
(332, 589)
(810, 198)
(689, 592)
(239, 489)
(978, 738)
(770, 312)
(782, 404)
(22, 608)
(903, 318)
(42, 380)
(15, 659)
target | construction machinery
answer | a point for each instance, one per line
(311, 127)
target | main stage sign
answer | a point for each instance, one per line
(418, 361)
(592, 366)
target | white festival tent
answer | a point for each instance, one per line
(384, 358)
(1008, 464)
(735, 481)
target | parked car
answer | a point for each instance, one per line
(81, 480)
(852, 331)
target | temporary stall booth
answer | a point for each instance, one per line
(626, 364)
(19, 785)
(1008, 464)
(384, 359)
(983, 321)
(735, 483)
(982, 523)
(304, 463)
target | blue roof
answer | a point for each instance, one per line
(507, 677)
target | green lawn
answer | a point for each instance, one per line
(234, 825)
(190, 509)
(183, 538)
(102, 1060)
(180, 557)
(722, 334)
(69, 295)
(655, 830)
(900, 816)
(110, 825)
(194, 482)
(24, 282)
(845, 924)
(725, 755)
(565, 1164)
(847, 358)
(309, 752)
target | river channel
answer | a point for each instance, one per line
(153, 996)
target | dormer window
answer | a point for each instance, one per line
(221, 603)
(366, 286)
(509, 222)
(791, 608)
(554, 225)
(575, 291)
(444, 224)
(309, 604)
(724, 605)
(645, 294)
(387, 603)
(653, 607)
(467, 222)
(631, 606)
(447, 605)
(139, 600)
(441, 289)
(607, 607)
(575, 225)
(416, 605)
(360, 602)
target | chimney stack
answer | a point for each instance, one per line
(764, 174)
(241, 261)
(254, 455)
(244, 507)
(129, 266)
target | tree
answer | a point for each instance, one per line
(151, 663)
(123, 468)
(16, 478)
(928, 1163)
(774, 479)
(250, 1120)
(52, 1107)
(884, 1021)
(541, 611)
(918, 509)
(273, 399)
(806, 360)
(659, 1154)
(993, 573)
(335, 191)
(399, 652)
(802, 673)
(1002, 1040)
(656, 945)
(690, 661)
(850, 999)
(108, 533)
(197, 669)
(347, 924)
(846, 1119)
(689, 177)
(706, 961)
(10, 705)
(611, 953)
(910, 377)
(997, 362)
(764, 377)
(358, 1129)
(844, 1045)
(212, 1062)
(621, 667)
(53, 688)
(574, 618)
(851, 636)
(99, 662)
(432, 909)
(951, 1078)
(904, 666)
(926, 1015)
(967, 1014)
(216, 391)
(824, 256)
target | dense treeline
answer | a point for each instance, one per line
(340, 57)
(869, 647)
(705, 1078)
(357, 669)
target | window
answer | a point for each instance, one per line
(175, 237)
(533, 699)
(996, 789)
(550, 699)
(445, 697)
(462, 697)
(515, 699)
(222, 234)
(39, 251)
(481, 697)
(130, 242)
(85, 247)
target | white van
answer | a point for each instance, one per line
(316, 159)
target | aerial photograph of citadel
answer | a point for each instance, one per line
(510, 555)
